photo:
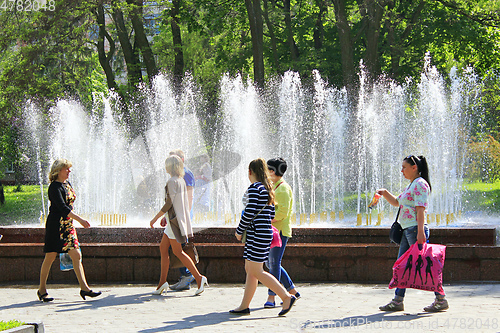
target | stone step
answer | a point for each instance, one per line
(439, 235)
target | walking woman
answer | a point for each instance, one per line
(413, 203)
(281, 221)
(256, 222)
(60, 233)
(178, 227)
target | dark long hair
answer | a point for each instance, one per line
(422, 166)
(261, 172)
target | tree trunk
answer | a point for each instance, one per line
(257, 31)
(294, 50)
(396, 47)
(274, 46)
(177, 40)
(134, 73)
(105, 59)
(346, 45)
(319, 31)
(372, 12)
(142, 40)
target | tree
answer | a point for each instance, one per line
(257, 30)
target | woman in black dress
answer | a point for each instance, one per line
(60, 234)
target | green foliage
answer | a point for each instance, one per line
(484, 160)
(6, 325)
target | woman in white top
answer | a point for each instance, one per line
(413, 202)
(178, 228)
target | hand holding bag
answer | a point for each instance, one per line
(276, 242)
(396, 232)
(420, 268)
(189, 249)
(244, 235)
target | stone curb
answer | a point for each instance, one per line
(28, 328)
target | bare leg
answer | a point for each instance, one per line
(44, 271)
(186, 260)
(255, 272)
(270, 298)
(165, 260)
(76, 257)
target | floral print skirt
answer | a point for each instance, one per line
(68, 235)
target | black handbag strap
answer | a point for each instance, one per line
(397, 215)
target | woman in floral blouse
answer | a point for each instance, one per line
(413, 202)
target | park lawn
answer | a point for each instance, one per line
(22, 207)
(7, 325)
(483, 197)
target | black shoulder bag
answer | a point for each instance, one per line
(396, 231)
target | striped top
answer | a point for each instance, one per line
(254, 200)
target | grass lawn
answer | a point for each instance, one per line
(22, 207)
(7, 325)
(484, 197)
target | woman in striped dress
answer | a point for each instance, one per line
(256, 221)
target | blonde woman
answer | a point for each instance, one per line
(60, 233)
(256, 221)
(178, 228)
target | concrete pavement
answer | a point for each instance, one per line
(323, 307)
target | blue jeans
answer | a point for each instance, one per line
(184, 271)
(409, 238)
(274, 265)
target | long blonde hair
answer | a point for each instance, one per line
(174, 166)
(57, 166)
(261, 172)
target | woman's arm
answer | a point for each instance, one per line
(251, 209)
(283, 204)
(389, 197)
(82, 221)
(157, 216)
(57, 197)
(420, 221)
(168, 204)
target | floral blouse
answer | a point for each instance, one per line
(416, 194)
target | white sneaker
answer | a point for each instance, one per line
(183, 284)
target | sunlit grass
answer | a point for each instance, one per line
(22, 207)
(483, 197)
(6, 325)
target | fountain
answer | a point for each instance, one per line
(338, 155)
(311, 127)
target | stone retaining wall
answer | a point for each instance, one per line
(222, 261)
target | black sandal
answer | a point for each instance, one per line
(44, 297)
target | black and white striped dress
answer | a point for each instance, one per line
(259, 231)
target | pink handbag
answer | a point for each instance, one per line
(420, 269)
(276, 238)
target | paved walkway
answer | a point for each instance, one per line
(352, 307)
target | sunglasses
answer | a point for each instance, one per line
(413, 158)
